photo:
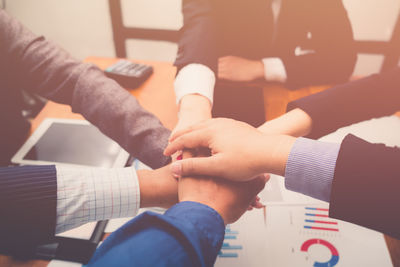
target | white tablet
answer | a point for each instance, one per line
(70, 142)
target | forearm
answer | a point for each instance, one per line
(158, 188)
(363, 99)
(366, 179)
(193, 232)
(51, 72)
(294, 123)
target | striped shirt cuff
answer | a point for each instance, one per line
(93, 194)
(310, 168)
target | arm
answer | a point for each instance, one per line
(37, 202)
(40, 66)
(365, 185)
(193, 229)
(367, 98)
(328, 23)
(359, 179)
(188, 234)
(196, 62)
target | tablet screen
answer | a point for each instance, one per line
(75, 144)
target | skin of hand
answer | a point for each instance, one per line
(230, 199)
(193, 108)
(239, 151)
(239, 69)
(158, 188)
(294, 123)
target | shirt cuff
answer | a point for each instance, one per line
(310, 168)
(195, 79)
(274, 70)
(94, 194)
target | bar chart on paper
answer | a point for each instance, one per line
(243, 244)
(230, 247)
(305, 235)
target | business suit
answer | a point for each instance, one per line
(365, 187)
(213, 29)
(32, 63)
(28, 195)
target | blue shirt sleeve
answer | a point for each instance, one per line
(310, 168)
(188, 234)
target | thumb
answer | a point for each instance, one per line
(194, 166)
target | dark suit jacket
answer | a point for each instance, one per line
(28, 199)
(32, 63)
(366, 183)
(215, 28)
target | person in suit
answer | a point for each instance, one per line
(297, 43)
(31, 197)
(356, 177)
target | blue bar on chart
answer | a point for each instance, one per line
(228, 246)
(227, 255)
(229, 235)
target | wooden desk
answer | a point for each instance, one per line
(157, 95)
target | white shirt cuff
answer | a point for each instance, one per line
(195, 79)
(93, 194)
(274, 70)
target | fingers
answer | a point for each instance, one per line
(186, 130)
(193, 139)
(207, 166)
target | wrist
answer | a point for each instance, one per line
(258, 67)
(209, 204)
(195, 108)
(275, 153)
(145, 184)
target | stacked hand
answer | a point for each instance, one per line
(230, 199)
(239, 151)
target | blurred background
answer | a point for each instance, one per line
(84, 27)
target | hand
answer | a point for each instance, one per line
(239, 69)
(230, 199)
(239, 151)
(158, 188)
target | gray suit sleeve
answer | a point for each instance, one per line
(42, 67)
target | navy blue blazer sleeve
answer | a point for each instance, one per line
(198, 35)
(188, 234)
(365, 187)
(28, 199)
(371, 97)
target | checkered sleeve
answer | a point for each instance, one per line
(93, 194)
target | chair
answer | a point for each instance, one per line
(122, 33)
(389, 49)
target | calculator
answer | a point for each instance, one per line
(128, 74)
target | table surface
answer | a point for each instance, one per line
(157, 96)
